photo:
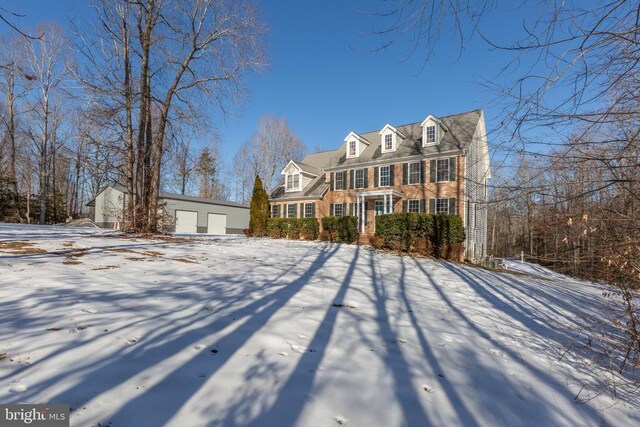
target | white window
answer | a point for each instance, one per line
(430, 134)
(359, 178)
(338, 209)
(413, 206)
(352, 148)
(293, 182)
(388, 142)
(291, 211)
(339, 177)
(385, 176)
(442, 170)
(442, 206)
(414, 173)
(309, 211)
(275, 211)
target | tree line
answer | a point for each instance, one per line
(121, 98)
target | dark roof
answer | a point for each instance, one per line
(306, 168)
(459, 135)
(173, 196)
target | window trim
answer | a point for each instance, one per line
(335, 205)
(446, 204)
(384, 149)
(438, 169)
(425, 135)
(355, 178)
(417, 202)
(355, 148)
(288, 180)
(342, 181)
(309, 214)
(388, 168)
(419, 173)
(289, 206)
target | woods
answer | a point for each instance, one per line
(116, 100)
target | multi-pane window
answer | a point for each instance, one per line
(338, 209)
(413, 205)
(442, 170)
(431, 134)
(414, 173)
(291, 211)
(388, 142)
(293, 182)
(442, 206)
(339, 177)
(385, 176)
(352, 148)
(309, 211)
(275, 211)
(359, 178)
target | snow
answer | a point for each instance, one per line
(235, 331)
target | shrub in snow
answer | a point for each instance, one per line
(440, 236)
(341, 229)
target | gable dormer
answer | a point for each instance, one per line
(354, 145)
(297, 176)
(432, 131)
(390, 138)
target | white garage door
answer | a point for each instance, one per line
(186, 222)
(216, 224)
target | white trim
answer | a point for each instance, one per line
(354, 137)
(396, 160)
(292, 189)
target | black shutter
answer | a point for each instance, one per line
(432, 171)
(331, 209)
(405, 206)
(422, 167)
(295, 211)
(405, 173)
(350, 209)
(432, 206)
(422, 207)
(344, 180)
(313, 210)
(286, 210)
(352, 176)
(452, 206)
(365, 172)
(452, 169)
(391, 170)
(301, 210)
(376, 173)
(333, 181)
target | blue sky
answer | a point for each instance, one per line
(325, 79)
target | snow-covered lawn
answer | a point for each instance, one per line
(236, 331)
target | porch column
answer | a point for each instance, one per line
(390, 203)
(362, 213)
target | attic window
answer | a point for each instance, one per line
(430, 135)
(388, 142)
(352, 148)
(293, 182)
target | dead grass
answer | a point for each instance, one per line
(121, 250)
(106, 267)
(186, 260)
(21, 248)
(153, 253)
(135, 258)
(68, 244)
(71, 261)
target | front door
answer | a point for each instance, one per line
(378, 210)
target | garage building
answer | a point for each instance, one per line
(185, 214)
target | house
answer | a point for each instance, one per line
(186, 214)
(439, 166)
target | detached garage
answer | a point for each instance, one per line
(186, 214)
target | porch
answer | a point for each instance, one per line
(371, 203)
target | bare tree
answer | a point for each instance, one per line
(45, 57)
(266, 153)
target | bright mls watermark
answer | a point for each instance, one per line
(34, 415)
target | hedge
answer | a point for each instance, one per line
(440, 236)
(293, 228)
(340, 229)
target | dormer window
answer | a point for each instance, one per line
(353, 146)
(388, 142)
(390, 138)
(293, 182)
(432, 131)
(430, 134)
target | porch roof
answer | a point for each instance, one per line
(381, 192)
